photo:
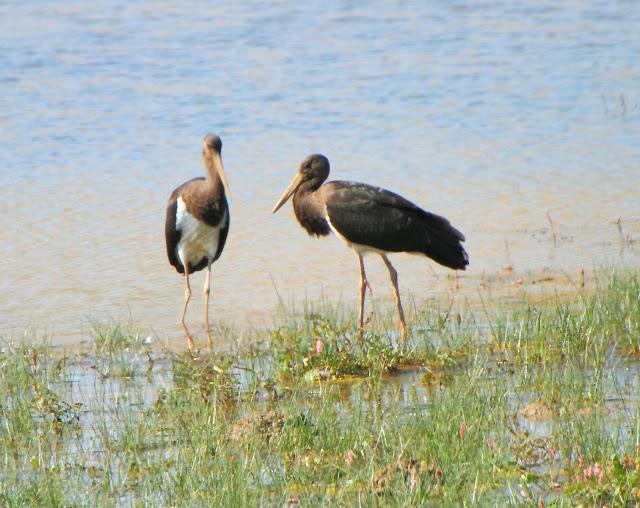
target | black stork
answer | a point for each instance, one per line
(370, 219)
(197, 225)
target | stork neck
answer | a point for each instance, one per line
(213, 178)
(310, 211)
(310, 186)
(307, 196)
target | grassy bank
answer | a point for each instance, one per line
(526, 404)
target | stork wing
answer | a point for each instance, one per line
(379, 218)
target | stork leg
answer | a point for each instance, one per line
(187, 297)
(394, 280)
(363, 291)
(207, 290)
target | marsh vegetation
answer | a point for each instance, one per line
(533, 403)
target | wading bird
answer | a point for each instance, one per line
(197, 225)
(370, 219)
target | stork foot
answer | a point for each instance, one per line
(190, 343)
(405, 332)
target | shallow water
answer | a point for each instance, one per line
(491, 114)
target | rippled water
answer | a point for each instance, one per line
(490, 113)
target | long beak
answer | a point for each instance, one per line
(293, 186)
(217, 163)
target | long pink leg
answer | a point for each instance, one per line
(207, 290)
(363, 291)
(394, 280)
(187, 297)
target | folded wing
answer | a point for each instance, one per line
(379, 218)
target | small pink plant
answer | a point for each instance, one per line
(462, 430)
(351, 457)
(597, 472)
(319, 346)
(592, 471)
(490, 444)
(414, 480)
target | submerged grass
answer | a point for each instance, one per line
(527, 404)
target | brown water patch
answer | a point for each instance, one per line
(411, 471)
(537, 412)
(268, 425)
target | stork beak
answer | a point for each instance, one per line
(293, 186)
(217, 163)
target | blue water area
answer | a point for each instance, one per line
(490, 113)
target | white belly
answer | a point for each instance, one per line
(197, 239)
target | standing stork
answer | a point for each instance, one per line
(197, 225)
(370, 219)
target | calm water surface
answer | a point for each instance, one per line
(490, 113)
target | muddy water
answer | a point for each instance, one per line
(491, 114)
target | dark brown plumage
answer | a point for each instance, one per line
(371, 219)
(197, 224)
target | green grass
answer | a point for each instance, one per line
(514, 405)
